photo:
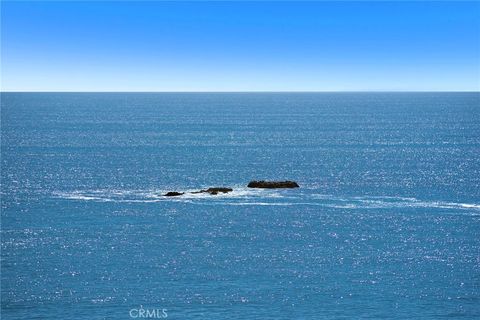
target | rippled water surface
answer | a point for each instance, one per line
(386, 223)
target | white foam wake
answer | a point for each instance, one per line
(242, 196)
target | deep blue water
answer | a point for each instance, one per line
(386, 223)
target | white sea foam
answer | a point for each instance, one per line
(157, 195)
(260, 204)
(242, 196)
(385, 202)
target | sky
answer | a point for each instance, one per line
(240, 46)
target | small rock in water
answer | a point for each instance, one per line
(273, 184)
(173, 194)
(215, 191)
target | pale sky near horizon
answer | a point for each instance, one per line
(240, 46)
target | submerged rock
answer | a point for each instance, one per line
(222, 190)
(215, 191)
(273, 184)
(173, 194)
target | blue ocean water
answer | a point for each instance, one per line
(386, 223)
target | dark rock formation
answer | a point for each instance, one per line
(214, 191)
(222, 190)
(273, 184)
(173, 194)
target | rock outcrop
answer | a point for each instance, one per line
(173, 194)
(253, 184)
(215, 191)
(211, 191)
(273, 184)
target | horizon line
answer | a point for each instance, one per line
(255, 91)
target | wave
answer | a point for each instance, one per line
(386, 202)
(242, 196)
(116, 195)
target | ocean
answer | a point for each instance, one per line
(385, 224)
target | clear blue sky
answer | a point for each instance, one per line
(240, 46)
